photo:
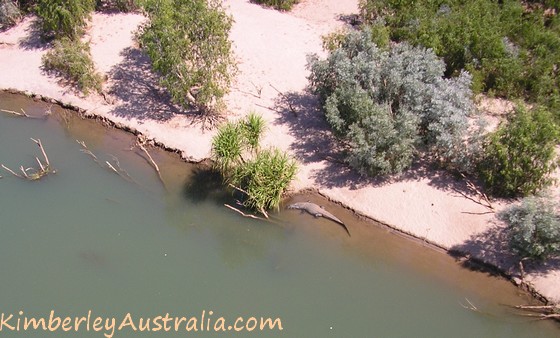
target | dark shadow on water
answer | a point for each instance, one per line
(137, 87)
(204, 184)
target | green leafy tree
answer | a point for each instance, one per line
(62, 18)
(188, 44)
(520, 155)
(283, 5)
(511, 48)
(390, 104)
(262, 175)
(533, 228)
(72, 61)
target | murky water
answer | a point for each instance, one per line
(86, 239)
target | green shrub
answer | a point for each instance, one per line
(262, 175)
(62, 18)
(388, 105)
(72, 61)
(511, 49)
(118, 5)
(188, 44)
(520, 155)
(283, 5)
(9, 14)
(533, 228)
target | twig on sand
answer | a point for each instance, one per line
(36, 174)
(482, 197)
(140, 143)
(286, 99)
(244, 214)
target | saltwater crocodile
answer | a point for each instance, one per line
(317, 211)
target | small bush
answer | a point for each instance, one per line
(389, 105)
(124, 6)
(283, 5)
(533, 228)
(62, 18)
(262, 175)
(72, 61)
(9, 14)
(188, 44)
(520, 155)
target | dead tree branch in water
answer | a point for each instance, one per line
(33, 174)
(116, 168)
(244, 214)
(140, 143)
(24, 113)
(260, 209)
(541, 312)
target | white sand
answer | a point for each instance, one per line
(271, 48)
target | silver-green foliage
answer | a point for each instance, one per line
(391, 104)
(188, 43)
(9, 14)
(263, 175)
(533, 228)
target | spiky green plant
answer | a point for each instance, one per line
(253, 126)
(262, 175)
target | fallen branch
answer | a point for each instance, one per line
(470, 306)
(482, 197)
(36, 174)
(86, 150)
(547, 311)
(244, 214)
(286, 99)
(23, 113)
(140, 144)
(261, 210)
(11, 171)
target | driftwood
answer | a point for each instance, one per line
(261, 210)
(286, 99)
(482, 197)
(34, 174)
(115, 168)
(244, 214)
(23, 113)
(140, 143)
(541, 311)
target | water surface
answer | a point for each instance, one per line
(87, 239)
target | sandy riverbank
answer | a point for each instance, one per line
(271, 48)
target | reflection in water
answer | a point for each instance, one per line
(86, 239)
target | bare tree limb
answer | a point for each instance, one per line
(244, 214)
(261, 210)
(287, 99)
(140, 144)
